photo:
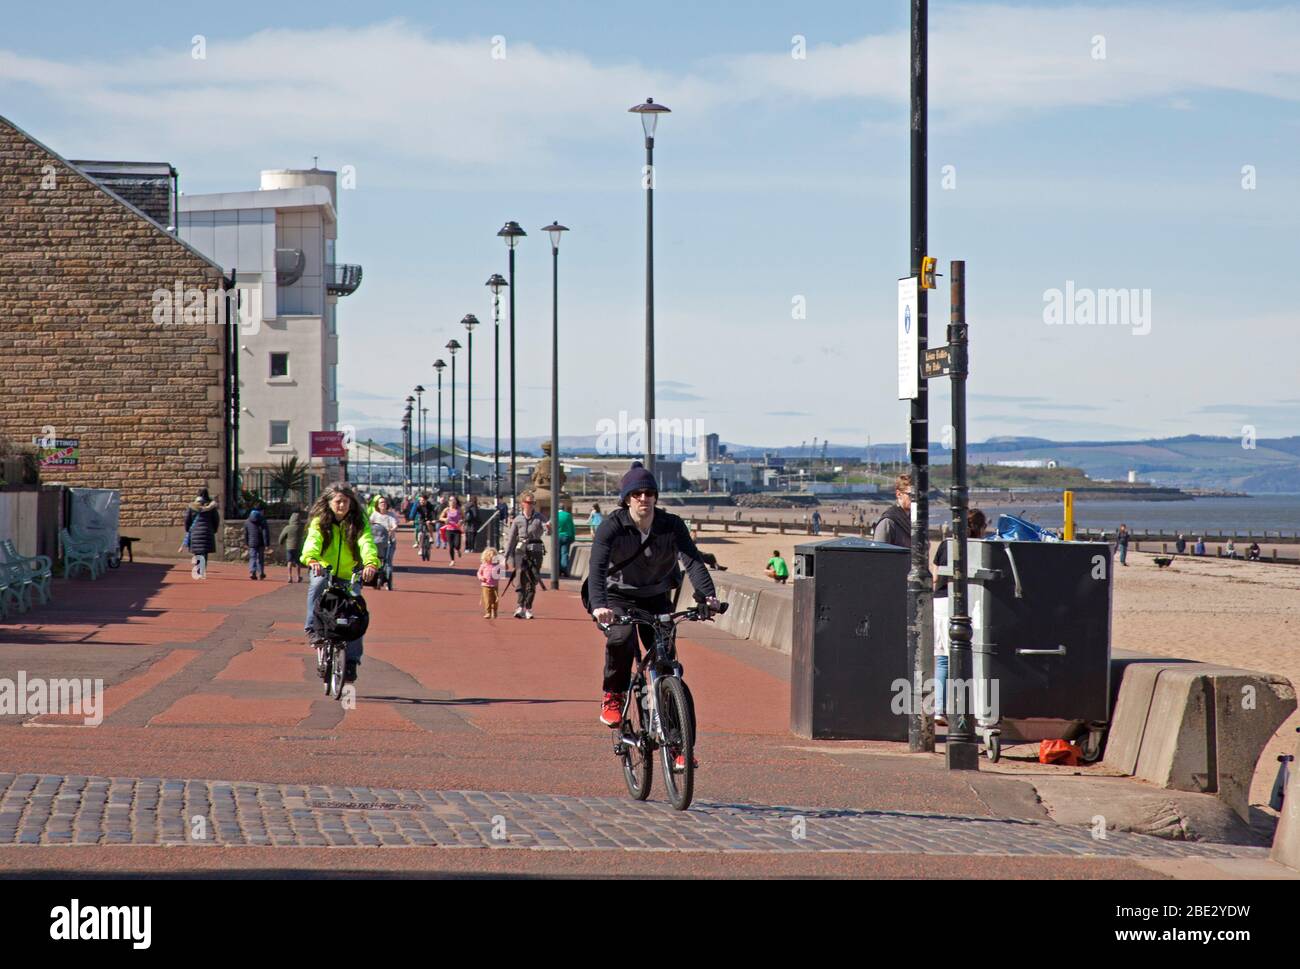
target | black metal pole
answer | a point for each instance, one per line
(419, 402)
(555, 416)
(469, 412)
(232, 492)
(453, 423)
(496, 415)
(962, 749)
(920, 648)
(440, 432)
(511, 284)
(650, 305)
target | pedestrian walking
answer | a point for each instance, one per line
(566, 534)
(1180, 546)
(524, 550)
(1121, 544)
(257, 536)
(291, 537)
(383, 529)
(489, 574)
(450, 524)
(817, 522)
(201, 522)
(595, 518)
(471, 523)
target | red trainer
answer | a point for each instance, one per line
(611, 710)
(679, 764)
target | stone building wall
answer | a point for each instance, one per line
(82, 351)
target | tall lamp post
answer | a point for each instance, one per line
(555, 230)
(410, 402)
(469, 322)
(439, 366)
(649, 113)
(920, 615)
(452, 347)
(512, 233)
(419, 410)
(496, 283)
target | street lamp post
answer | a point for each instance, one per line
(555, 230)
(649, 113)
(512, 233)
(452, 347)
(439, 366)
(469, 322)
(410, 402)
(419, 410)
(496, 283)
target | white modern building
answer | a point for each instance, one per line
(280, 242)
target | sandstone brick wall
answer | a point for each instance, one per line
(80, 351)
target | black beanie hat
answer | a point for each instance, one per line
(636, 479)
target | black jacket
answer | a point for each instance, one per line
(651, 572)
(201, 522)
(894, 528)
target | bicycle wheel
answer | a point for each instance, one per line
(338, 668)
(677, 721)
(638, 763)
(324, 658)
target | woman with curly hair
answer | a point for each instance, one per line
(338, 538)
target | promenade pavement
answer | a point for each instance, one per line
(473, 747)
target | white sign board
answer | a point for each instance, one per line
(909, 367)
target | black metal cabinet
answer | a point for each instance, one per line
(849, 649)
(1041, 623)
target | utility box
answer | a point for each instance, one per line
(1041, 622)
(848, 665)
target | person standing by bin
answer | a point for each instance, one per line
(895, 525)
(975, 522)
(1121, 543)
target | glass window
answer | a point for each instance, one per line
(280, 364)
(279, 433)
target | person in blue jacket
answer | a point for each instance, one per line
(257, 536)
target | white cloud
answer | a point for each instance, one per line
(395, 92)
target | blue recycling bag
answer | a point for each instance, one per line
(1014, 529)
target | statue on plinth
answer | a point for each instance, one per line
(540, 485)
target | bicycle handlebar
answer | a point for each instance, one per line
(639, 617)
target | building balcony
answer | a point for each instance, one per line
(342, 279)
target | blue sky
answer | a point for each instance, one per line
(778, 177)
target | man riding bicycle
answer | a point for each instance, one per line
(634, 565)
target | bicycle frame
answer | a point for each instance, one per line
(658, 661)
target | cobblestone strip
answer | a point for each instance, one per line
(49, 809)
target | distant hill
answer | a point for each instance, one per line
(1191, 461)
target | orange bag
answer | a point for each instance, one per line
(1058, 752)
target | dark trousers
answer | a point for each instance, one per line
(621, 641)
(530, 562)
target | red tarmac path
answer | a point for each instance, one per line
(211, 679)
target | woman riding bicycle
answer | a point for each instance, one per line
(338, 538)
(634, 557)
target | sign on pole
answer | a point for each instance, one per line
(328, 444)
(908, 344)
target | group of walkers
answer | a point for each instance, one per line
(636, 562)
